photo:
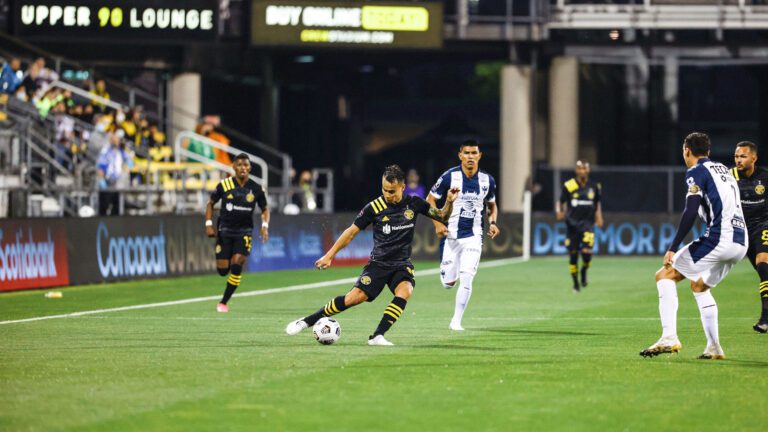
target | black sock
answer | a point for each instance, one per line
(233, 281)
(587, 260)
(222, 271)
(574, 268)
(762, 270)
(391, 314)
(334, 306)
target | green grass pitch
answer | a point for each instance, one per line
(535, 356)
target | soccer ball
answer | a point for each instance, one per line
(327, 331)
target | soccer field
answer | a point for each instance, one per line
(535, 356)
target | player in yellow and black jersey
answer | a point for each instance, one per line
(753, 181)
(579, 206)
(393, 218)
(239, 196)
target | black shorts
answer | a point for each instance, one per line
(577, 239)
(376, 275)
(227, 246)
(758, 243)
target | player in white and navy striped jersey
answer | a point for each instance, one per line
(462, 237)
(713, 193)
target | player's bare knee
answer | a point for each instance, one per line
(762, 258)
(404, 290)
(698, 286)
(665, 273)
(355, 297)
(238, 259)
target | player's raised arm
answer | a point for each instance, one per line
(344, 239)
(440, 229)
(442, 215)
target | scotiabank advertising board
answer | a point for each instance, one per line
(33, 254)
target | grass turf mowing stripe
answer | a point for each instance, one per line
(314, 285)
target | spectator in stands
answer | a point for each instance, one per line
(46, 75)
(412, 185)
(198, 146)
(65, 134)
(87, 115)
(113, 166)
(50, 98)
(21, 94)
(131, 125)
(306, 194)
(100, 90)
(11, 76)
(30, 80)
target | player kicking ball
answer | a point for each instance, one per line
(714, 194)
(393, 217)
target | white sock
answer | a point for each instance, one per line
(668, 307)
(462, 296)
(708, 310)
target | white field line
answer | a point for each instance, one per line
(291, 288)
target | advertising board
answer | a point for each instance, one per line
(384, 24)
(151, 20)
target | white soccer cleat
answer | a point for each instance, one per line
(295, 327)
(666, 345)
(713, 352)
(379, 340)
(455, 326)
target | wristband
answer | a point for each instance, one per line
(265, 225)
(209, 223)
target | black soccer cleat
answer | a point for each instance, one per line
(576, 288)
(662, 346)
(583, 276)
(649, 353)
(760, 327)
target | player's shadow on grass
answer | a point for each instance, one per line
(730, 361)
(536, 332)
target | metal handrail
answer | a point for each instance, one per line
(179, 151)
(283, 171)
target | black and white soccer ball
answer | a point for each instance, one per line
(327, 331)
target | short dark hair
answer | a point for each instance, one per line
(394, 174)
(698, 143)
(750, 144)
(242, 156)
(469, 143)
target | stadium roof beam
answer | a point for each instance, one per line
(650, 16)
(687, 56)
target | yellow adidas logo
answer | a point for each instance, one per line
(385, 219)
(230, 196)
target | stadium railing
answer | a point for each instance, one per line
(156, 107)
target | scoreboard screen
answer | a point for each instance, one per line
(156, 20)
(347, 24)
